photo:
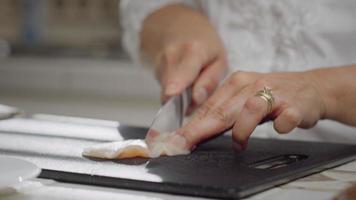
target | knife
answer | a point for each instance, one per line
(170, 116)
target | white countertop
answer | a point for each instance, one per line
(324, 185)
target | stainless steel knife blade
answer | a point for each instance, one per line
(170, 116)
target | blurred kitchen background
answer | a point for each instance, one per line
(65, 57)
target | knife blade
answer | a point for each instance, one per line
(171, 115)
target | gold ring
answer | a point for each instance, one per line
(266, 94)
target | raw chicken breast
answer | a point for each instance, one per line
(155, 145)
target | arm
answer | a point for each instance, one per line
(338, 86)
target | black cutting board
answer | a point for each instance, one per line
(215, 170)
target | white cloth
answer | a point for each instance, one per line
(270, 35)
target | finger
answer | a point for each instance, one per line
(217, 120)
(233, 85)
(208, 80)
(251, 115)
(178, 77)
(220, 111)
(289, 119)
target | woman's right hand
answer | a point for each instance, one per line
(185, 50)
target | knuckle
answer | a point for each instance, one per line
(310, 121)
(254, 106)
(260, 83)
(237, 78)
(292, 117)
(189, 136)
(168, 58)
(209, 84)
(280, 129)
(221, 115)
(193, 46)
(170, 49)
(195, 49)
(204, 109)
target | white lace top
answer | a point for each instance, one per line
(268, 35)
(282, 34)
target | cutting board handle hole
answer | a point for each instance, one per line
(277, 162)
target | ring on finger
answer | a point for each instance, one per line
(266, 95)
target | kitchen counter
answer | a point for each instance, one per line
(322, 185)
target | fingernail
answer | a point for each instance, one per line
(180, 132)
(170, 89)
(177, 145)
(178, 140)
(200, 95)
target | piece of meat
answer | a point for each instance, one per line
(118, 150)
(155, 145)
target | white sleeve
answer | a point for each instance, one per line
(132, 15)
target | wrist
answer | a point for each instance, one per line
(321, 81)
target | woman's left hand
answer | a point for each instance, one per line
(298, 102)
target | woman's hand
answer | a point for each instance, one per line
(185, 50)
(299, 101)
